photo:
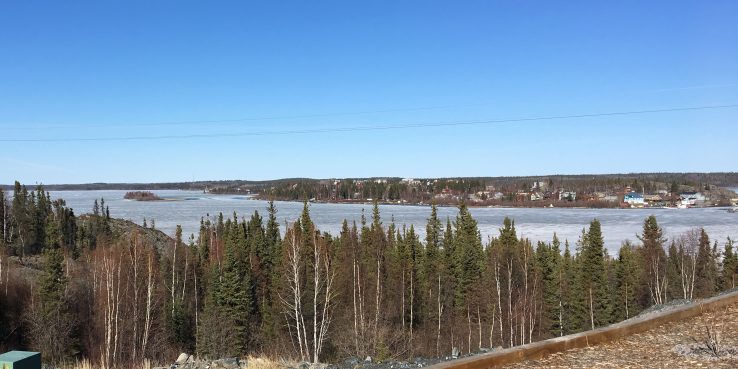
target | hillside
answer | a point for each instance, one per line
(123, 230)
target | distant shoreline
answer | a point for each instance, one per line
(471, 205)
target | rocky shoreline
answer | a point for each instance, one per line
(187, 361)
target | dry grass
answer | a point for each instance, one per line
(267, 363)
(253, 363)
(87, 364)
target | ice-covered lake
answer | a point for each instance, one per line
(188, 207)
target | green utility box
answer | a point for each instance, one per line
(20, 360)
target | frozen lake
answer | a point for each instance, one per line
(536, 224)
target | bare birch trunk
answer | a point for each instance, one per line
(149, 293)
(591, 309)
(479, 324)
(353, 294)
(412, 298)
(174, 263)
(440, 312)
(316, 288)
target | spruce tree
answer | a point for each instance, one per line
(705, 268)
(21, 221)
(548, 257)
(52, 281)
(626, 283)
(431, 268)
(203, 241)
(468, 258)
(593, 278)
(654, 259)
(573, 313)
(233, 293)
(730, 266)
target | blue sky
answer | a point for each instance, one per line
(112, 69)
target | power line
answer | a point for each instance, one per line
(369, 128)
(264, 118)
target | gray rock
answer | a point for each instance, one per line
(304, 365)
(368, 359)
(229, 363)
(182, 358)
(455, 352)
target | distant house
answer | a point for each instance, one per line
(610, 198)
(473, 198)
(692, 198)
(634, 199)
(653, 198)
(535, 196)
(568, 195)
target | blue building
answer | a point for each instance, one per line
(634, 199)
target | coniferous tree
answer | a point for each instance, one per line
(730, 266)
(269, 306)
(233, 292)
(548, 257)
(705, 268)
(468, 253)
(468, 261)
(433, 271)
(22, 220)
(50, 322)
(593, 278)
(626, 283)
(572, 315)
(654, 260)
(219, 334)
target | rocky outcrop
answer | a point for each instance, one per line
(186, 361)
(123, 230)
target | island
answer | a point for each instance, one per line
(141, 196)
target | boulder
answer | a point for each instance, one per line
(229, 363)
(182, 358)
(455, 352)
(368, 359)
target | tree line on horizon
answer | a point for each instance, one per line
(507, 191)
(75, 287)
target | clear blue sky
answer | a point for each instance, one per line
(111, 69)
